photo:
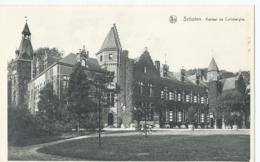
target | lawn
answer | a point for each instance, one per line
(176, 148)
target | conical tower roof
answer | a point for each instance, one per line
(25, 49)
(213, 66)
(111, 41)
(26, 30)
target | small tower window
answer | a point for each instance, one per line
(144, 69)
(101, 58)
(110, 56)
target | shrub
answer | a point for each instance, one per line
(22, 125)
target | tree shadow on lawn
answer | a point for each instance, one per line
(137, 147)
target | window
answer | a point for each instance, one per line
(171, 96)
(162, 94)
(195, 99)
(110, 56)
(187, 98)
(179, 116)
(65, 82)
(170, 116)
(101, 58)
(179, 97)
(144, 69)
(150, 90)
(141, 84)
(202, 118)
(202, 100)
(110, 99)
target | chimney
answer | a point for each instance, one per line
(165, 70)
(157, 65)
(183, 74)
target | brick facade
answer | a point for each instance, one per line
(147, 90)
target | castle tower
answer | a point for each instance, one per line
(109, 56)
(20, 73)
(213, 92)
(213, 71)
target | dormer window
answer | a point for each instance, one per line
(110, 56)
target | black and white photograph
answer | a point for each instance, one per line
(128, 83)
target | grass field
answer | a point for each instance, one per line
(137, 147)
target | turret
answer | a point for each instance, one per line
(25, 50)
(22, 69)
(213, 71)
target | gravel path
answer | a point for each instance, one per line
(30, 152)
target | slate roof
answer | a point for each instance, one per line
(25, 48)
(229, 83)
(112, 41)
(26, 30)
(213, 66)
(92, 63)
(174, 84)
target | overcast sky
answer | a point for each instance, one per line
(190, 44)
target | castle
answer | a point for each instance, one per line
(148, 90)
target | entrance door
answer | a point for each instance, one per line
(110, 119)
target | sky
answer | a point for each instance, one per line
(187, 44)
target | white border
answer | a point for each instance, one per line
(168, 2)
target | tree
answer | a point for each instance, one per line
(227, 102)
(53, 52)
(78, 94)
(49, 108)
(53, 55)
